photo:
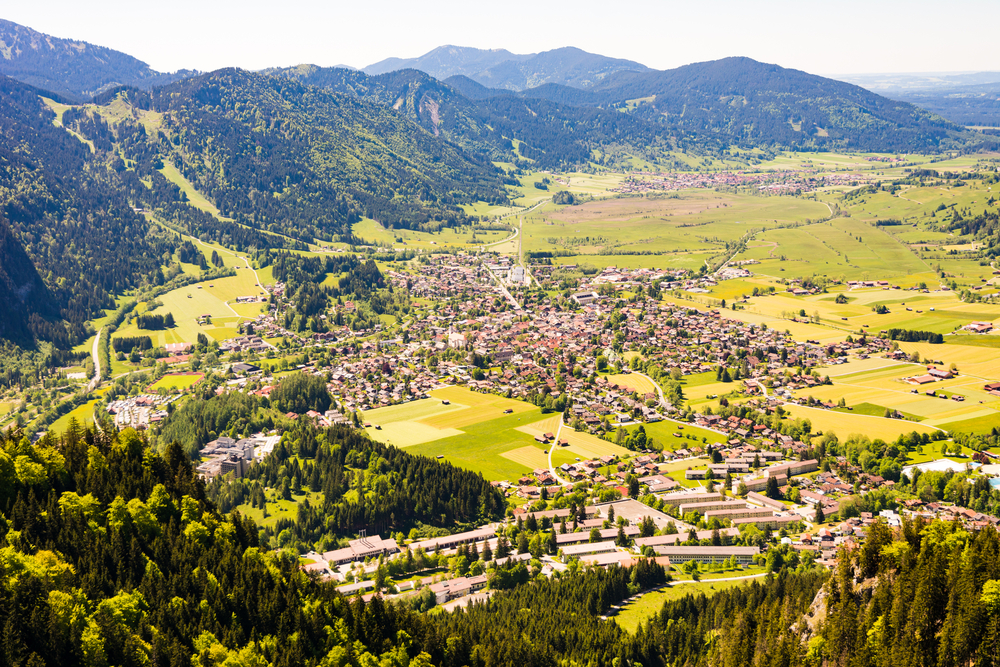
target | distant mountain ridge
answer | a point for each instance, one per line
(69, 67)
(503, 70)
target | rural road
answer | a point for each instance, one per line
(509, 238)
(96, 380)
(712, 581)
(555, 444)
(663, 404)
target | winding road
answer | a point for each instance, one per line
(664, 405)
(96, 380)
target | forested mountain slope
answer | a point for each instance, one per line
(70, 67)
(63, 208)
(551, 134)
(752, 102)
(245, 138)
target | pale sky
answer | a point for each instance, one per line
(840, 37)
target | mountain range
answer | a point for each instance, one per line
(502, 70)
(292, 155)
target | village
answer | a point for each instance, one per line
(757, 485)
(769, 182)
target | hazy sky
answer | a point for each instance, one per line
(841, 37)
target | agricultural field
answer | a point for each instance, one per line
(847, 424)
(473, 431)
(205, 298)
(468, 237)
(692, 221)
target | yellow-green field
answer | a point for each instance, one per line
(473, 432)
(467, 237)
(633, 382)
(691, 221)
(176, 381)
(845, 424)
(206, 298)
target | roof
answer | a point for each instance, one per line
(718, 551)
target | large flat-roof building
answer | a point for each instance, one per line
(360, 549)
(744, 555)
(453, 541)
(745, 512)
(677, 499)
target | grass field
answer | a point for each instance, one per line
(846, 424)
(461, 237)
(690, 436)
(84, 414)
(581, 444)
(277, 508)
(176, 381)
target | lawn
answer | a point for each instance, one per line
(689, 436)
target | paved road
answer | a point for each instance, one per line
(503, 289)
(664, 404)
(509, 238)
(96, 380)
